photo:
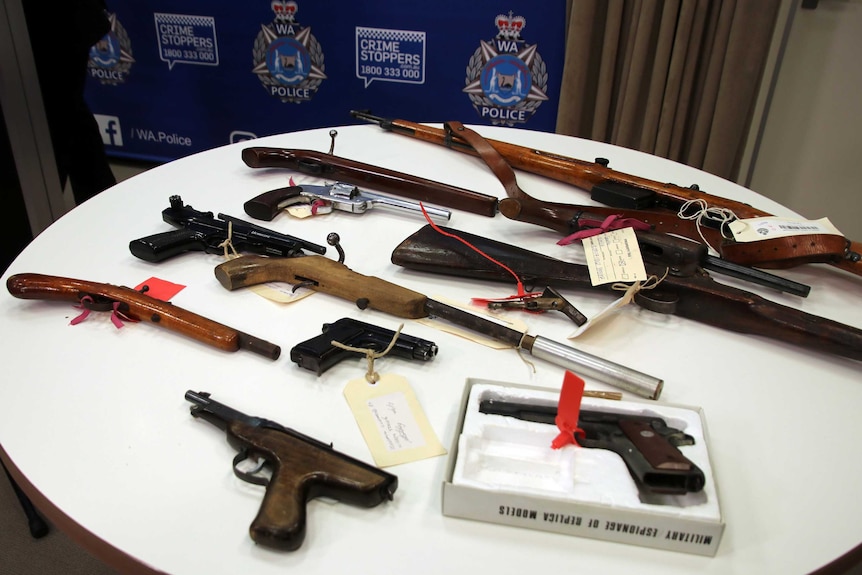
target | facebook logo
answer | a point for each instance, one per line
(109, 126)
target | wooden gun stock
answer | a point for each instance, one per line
(138, 306)
(327, 276)
(380, 179)
(589, 176)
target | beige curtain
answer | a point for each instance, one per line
(675, 78)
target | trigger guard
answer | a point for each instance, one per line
(657, 301)
(249, 476)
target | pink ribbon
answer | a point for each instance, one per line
(612, 222)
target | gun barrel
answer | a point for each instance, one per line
(258, 232)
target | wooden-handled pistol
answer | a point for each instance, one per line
(302, 468)
(137, 306)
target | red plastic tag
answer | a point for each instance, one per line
(568, 410)
(160, 289)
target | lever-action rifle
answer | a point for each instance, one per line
(631, 192)
(329, 276)
(137, 306)
(200, 231)
(697, 296)
(302, 468)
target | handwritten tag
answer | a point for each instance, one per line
(280, 292)
(391, 420)
(614, 257)
(597, 318)
(757, 229)
(303, 211)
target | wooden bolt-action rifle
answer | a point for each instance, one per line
(697, 296)
(137, 306)
(629, 192)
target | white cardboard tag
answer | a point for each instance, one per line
(766, 228)
(391, 420)
(614, 256)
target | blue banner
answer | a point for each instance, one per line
(177, 77)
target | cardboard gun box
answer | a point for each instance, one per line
(502, 469)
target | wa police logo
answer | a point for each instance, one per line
(287, 57)
(506, 77)
(111, 57)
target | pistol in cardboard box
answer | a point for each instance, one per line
(647, 445)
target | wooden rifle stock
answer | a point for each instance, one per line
(697, 297)
(325, 165)
(819, 248)
(137, 306)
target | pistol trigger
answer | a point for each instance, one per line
(249, 475)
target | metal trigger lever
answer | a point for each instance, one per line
(332, 134)
(332, 239)
(249, 476)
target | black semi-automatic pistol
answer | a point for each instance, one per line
(646, 443)
(201, 231)
(318, 354)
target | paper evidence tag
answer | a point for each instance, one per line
(766, 228)
(614, 257)
(391, 420)
(280, 292)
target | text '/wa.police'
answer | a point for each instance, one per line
(159, 137)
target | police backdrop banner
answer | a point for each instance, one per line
(177, 77)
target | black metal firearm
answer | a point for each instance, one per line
(302, 468)
(647, 444)
(696, 296)
(200, 231)
(319, 354)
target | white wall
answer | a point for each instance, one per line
(810, 157)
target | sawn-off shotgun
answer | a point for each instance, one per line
(697, 297)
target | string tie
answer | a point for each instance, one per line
(702, 211)
(371, 376)
(228, 243)
(651, 282)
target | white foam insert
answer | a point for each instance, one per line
(497, 452)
